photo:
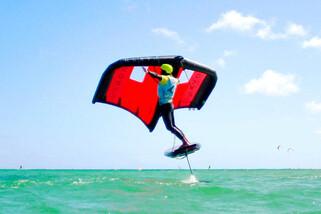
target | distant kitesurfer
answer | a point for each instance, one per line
(166, 88)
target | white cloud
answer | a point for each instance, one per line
(236, 21)
(290, 31)
(267, 33)
(294, 29)
(169, 34)
(314, 42)
(318, 131)
(313, 106)
(254, 26)
(228, 53)
(174, 36)
(272, 83)
(221, 61)
(131, 8)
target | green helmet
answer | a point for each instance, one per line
(168, 68)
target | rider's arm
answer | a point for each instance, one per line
(153, 74)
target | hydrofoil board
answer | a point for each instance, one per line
(182, 151)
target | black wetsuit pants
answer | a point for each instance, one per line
(167, 113)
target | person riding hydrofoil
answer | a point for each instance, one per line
(167, 84)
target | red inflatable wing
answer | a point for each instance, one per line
(124, 84)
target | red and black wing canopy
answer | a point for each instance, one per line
(119, 87)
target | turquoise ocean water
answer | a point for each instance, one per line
(160, 191)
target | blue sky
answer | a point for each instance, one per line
(266, 54)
